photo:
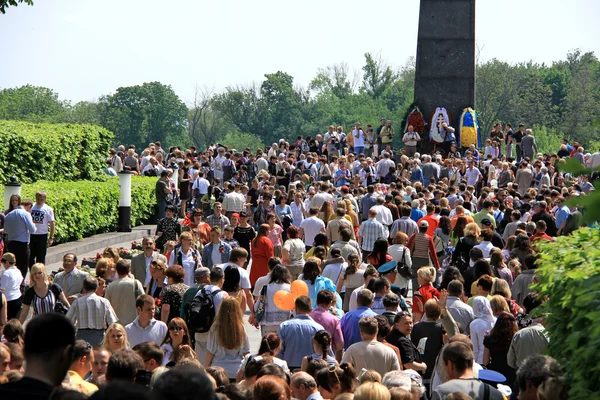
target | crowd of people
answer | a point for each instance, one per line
(419, 269)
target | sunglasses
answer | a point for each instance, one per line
(176, 328)
(333, 369)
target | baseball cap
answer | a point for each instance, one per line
(423, 224)
(10, 257)
(486, 221)
(236, 215)
(243, 214)
(281, 155)
(344, 187)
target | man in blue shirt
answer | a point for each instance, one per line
(18, 227)
(297, 334)
(350, 320)
(562, 214)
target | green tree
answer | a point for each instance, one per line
(205, 126)
(335, 78)
(377, 76)
(497, 87)
(146, 113)
(240, 141)
(242, 107)
(85, 112)
(535, 99)
(4, 4)
(31, 103)
(582, 101)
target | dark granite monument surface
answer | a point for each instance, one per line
(445, 67)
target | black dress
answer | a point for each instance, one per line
(499, 359)
(244, 236)
(184, 187)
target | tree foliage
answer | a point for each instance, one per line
(558, 100)
(569, 271)
(4, 4)
(146, 113)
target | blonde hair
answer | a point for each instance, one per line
(426, 273)
(37, 267)
(501, 287)
(185, 235)
(499, 304)
(111, 252)
(372, 391)
(370, 376)
(472, 229)
(114, 326)
(103, 265)
(228, 325)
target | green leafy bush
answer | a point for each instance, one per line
(85, 208)
(570, 276)
(57, 152)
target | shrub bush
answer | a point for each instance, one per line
(570, 276)
(57, 152)
(85, 208)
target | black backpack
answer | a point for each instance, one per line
(201, 312)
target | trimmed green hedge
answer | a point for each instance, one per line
(569, 271)
(85, 208)
(53, 152)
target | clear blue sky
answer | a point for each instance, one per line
(86, 48)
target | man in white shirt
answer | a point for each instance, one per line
(472, 174)
(383, 166)
(411, 139)
(261, 164)
(310, 227)
(145, 328)
(321, 197)
(233, 202)
(43, 218)
(237, 259)
(384, 215)
(217, 278)
(200, 185)
(218, 163)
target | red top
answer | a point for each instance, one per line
(433, 221)
(262, 250)
(425, 292)
(537, 236)
(371, 260)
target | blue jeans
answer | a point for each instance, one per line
(359, 149)
(162, 204)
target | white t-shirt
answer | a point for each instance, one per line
(335, 272)
(311, 226)
(41, 216)
(360, 140)
(472, 176)
(411, 138)
(201, 185)
(260, 282)
(10, 283)
(188, 263)
(244, 279)
(218, 298)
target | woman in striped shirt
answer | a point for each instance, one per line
(422, 251)
(42, 295)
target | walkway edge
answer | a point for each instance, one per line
(96, 242)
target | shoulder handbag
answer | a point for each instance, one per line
(403, 269)
(260, 310)
(59, 307)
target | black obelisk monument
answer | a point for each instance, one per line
(445, 68)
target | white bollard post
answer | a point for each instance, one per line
(12, 187)
(124, 224)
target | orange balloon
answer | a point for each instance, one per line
(283, 300)
(299, 288)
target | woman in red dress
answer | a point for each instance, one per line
(262, 250)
